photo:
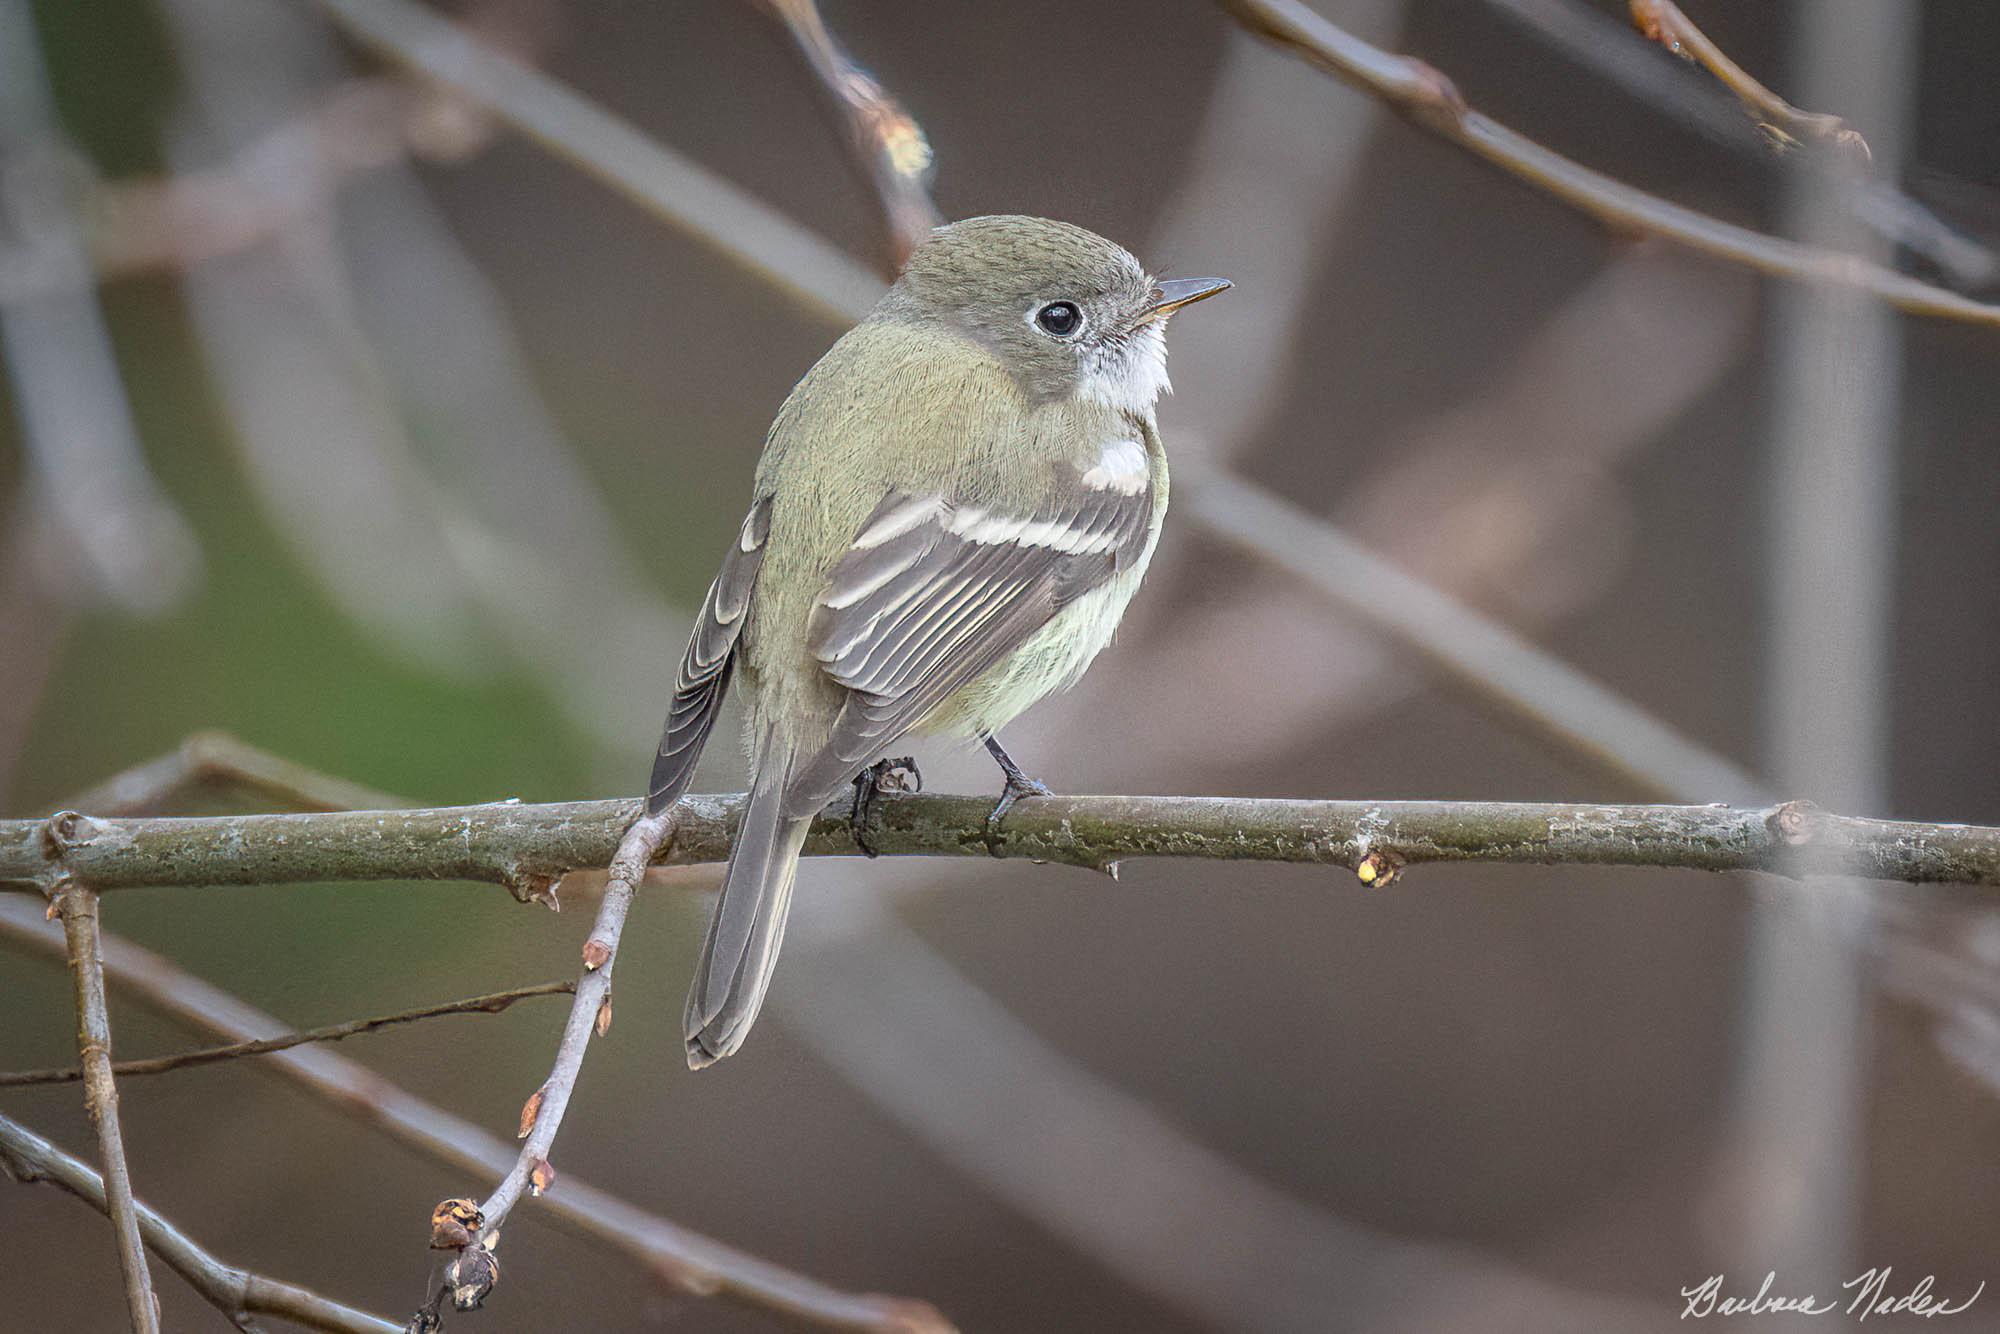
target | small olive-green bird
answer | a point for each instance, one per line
(953, 509)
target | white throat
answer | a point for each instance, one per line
(1128, 374)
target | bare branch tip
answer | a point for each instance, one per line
(1651, 21)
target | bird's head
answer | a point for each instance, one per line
(1070, 314)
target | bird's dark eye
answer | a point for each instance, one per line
(1059, 318)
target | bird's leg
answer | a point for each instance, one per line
(897, 775)
(1019, 785)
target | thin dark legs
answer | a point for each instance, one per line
(1019, 785)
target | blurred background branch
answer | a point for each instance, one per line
(889, 147)
(1784, 124)
(1430, 99)
(239, 1294)
(491, 1003)
(1597, 42)
(1789, 1174)
(98, 515)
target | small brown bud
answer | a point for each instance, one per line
(63, 831)
(1793, 823)
(604, 1015)
(532, 887)
(595, 954)
(1646, 18)
(530, 1110)
(542, 1177)
(471, 1276)
(455, 1224)
(1378, 868)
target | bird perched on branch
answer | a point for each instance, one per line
(953, 509)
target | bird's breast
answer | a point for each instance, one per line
(1054, 657)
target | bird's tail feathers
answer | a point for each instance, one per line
(749, 922)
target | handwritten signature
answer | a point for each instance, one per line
(1870, 1295)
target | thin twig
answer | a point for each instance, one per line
(1784, 125)
(1429, 99)
(491, 1003)
(542, 1115)
(1596, 40)
(77, 906)
(686, 1260)
(237, 1293)
(516, 844)
(888, 145)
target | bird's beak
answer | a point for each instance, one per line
(1178, 292)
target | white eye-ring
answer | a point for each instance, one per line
(1058, 319)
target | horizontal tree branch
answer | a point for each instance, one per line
(237, 1293)
(523, 846)
(491, 1003)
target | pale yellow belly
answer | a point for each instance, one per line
(1051, 660)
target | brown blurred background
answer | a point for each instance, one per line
(423, 464)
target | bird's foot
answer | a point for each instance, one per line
(897, 775)
(1019, 785)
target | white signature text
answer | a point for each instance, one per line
(1868, 1293)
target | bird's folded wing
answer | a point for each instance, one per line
(703, 678)
(931, 594)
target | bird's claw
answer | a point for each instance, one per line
(896, 775)
(1018, 786)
